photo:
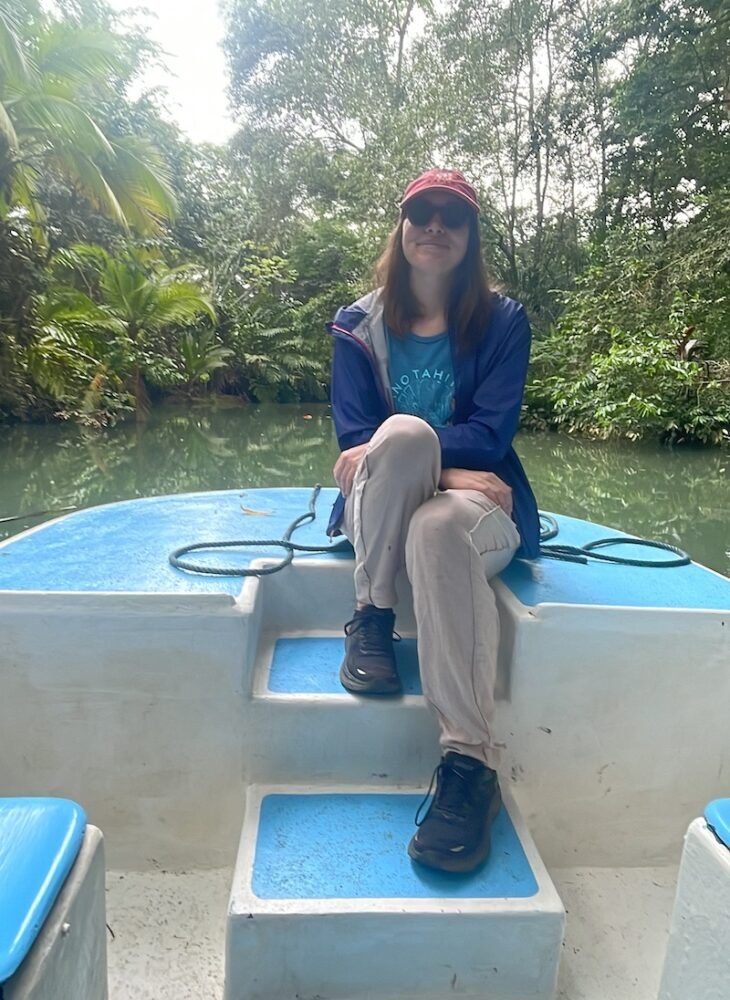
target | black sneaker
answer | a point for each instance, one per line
(455, 834)
(369, 664)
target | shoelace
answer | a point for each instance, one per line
(375, 639)
(453, 792)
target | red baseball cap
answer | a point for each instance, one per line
(442, 180)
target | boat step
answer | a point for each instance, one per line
(301, 718)
(310, 664)
(326, 903)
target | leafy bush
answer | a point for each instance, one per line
(641, 348)
(103, 323)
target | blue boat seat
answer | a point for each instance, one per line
(40, 839)
(717, 815)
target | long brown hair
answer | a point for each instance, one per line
(469, 299)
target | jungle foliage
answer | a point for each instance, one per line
(136, 265)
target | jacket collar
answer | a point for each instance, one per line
(364, 321)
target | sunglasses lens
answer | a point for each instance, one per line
(420, 211)
(455, 214)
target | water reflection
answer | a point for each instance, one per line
(680, 496)
(174, 452)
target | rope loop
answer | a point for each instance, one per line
(582, 553)
(285, 543)
(548, 529)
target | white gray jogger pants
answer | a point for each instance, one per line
(451, 543)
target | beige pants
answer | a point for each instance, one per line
(451, 542)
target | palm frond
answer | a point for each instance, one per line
(85, 174)
(123, 285)
(74, 312)
(7, 129)
(181, 302)
(201, 355)
(52, 114)
(142, 184)
(73, 342)
(62, 359)
(68, 52)
(24, 183)
(83, 258)
(14, 60)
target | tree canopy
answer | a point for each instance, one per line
(596, 132)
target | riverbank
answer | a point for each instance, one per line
(676, 495)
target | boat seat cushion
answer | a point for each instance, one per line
(39, 841)
(717, 815)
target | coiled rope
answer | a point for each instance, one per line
(283, 543)
(582, 553)
(548, 529)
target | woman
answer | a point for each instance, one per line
(427, 383)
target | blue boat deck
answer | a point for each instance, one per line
(124, 548)
(305, 851)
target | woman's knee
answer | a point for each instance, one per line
(406, 438)
(434, 526)
(454, 520)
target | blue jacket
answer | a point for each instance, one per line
(489, 386)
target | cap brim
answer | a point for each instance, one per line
(441, 187)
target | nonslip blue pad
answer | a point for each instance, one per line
(353, 846)
(124, 548)
(39, 842)
(311, 665)
(717, 815)
(552, 581)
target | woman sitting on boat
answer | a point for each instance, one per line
(427, 383)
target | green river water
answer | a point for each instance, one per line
(679, 495)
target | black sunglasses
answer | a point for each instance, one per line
(453, 215)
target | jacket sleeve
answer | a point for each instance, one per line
(357, 408)
(486, 437)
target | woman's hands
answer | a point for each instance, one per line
(484, 482)
(451, 479)
(346, 467)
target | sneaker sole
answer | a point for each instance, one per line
(356, 686)
(459, 863)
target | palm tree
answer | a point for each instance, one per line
(104, 315)
(48, 80)
(200, 356)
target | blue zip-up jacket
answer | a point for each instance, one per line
(489, 381)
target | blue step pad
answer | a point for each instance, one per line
(302, 722)
(326, 873)
(352, 846)
(311, 665)
(40, 839)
